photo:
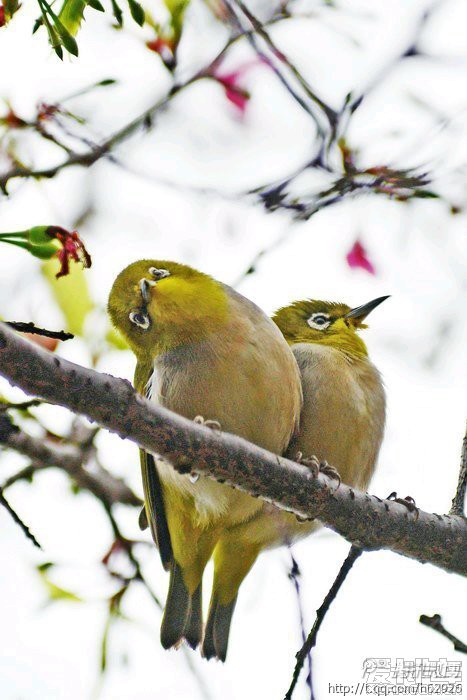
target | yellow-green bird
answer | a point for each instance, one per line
(203, 349)
(343, 414)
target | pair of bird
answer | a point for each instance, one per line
(299, 383)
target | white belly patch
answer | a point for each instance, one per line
(210, 498)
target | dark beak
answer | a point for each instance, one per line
(145, 287)
(361, 312)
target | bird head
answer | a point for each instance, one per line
(326, 323)
(158, 305)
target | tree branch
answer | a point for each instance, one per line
(18, 520)
(310, 641)
(436, 623)
(458, 502)
(27, 327)
(70, 458)
(367, 521)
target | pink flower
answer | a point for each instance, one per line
(237, 95)
(231, 82)
(357, 257)
(72, 249)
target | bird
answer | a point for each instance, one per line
(343, 414)
(344, 406)
(209, 354)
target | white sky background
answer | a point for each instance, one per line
(417, 338)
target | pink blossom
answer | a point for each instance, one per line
(357, 258)
(234, 93)
(72, 249)
(231, 82)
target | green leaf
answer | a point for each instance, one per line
(137, 12)
(11, 6)
(71, 294)
(117, 12)
(96, 5)
(37, 24)
(69, 43)
(55, 592)
(177, 9)
(104, 644)
(425, 194)
(58, 34)
(71, 15)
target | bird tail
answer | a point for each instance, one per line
(183, 614)
(216, 636)
(233, 559)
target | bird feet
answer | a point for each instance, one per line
(318, 467)
(213, 424)
(408, 502)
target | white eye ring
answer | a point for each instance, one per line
(319, 321)
(158, 274)
(140, 319)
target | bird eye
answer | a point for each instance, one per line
(319, 321)
(140, 319)
(158, 274)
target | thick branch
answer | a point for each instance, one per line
(366, 521)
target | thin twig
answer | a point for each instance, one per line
(28, 327)
(18, 520)
(436, 623)
(265, 58)
(458, 502)
(139, 576)
(261, 31)
(352, 557)
(69, 457)
(294, 576)
(21, 406)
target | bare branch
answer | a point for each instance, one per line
(27, 327)
(367, 521)
(70, 458)
(435, 623)
(259, 28)
(18, 520)
(458, 502)
(294, 576)
(310, 642)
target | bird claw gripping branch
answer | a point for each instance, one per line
(319, 467)
(408, 502)
(213, 424)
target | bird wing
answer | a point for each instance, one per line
(154, 507)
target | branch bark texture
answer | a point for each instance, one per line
(367, 521)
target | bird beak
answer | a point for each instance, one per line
(361, 312)
(145, 286)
